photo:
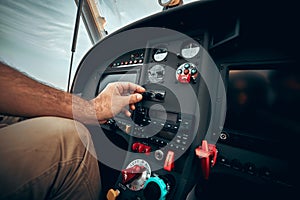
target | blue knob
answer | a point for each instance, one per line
(155, 189)
(186, 65)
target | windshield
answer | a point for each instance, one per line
(119, 13)
(36, 36)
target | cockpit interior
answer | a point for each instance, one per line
(220, 115)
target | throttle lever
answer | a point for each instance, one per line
(208, 156)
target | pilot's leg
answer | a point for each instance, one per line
(44, 158)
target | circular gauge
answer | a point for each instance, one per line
(139, 183)
(160, 54)
(190, 50)
(156, 74)
(186, 73)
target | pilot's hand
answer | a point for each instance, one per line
(114, 98)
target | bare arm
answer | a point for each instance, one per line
(23, 96)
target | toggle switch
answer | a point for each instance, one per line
(169, 162)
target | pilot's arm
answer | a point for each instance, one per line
(23, 96)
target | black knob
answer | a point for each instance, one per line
(155, 189)
(152, 191)
(159, 96)
(148, 95)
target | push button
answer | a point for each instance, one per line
(224, 161)
(265, 172)
(250, 168)
(236, 164)
(159, 154)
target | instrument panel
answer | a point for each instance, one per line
(163, 126)
(158, 141)
(154, 150)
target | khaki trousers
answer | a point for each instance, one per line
(48, 158)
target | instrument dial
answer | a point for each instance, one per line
(156, 74)
(160, 54)
(186, 73)
(139, 183)
(190, 50)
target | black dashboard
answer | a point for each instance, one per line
(199, 63)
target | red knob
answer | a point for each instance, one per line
(147, 149)
(135, 146)
(141, 148)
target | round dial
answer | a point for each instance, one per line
(186, 73)
(139, 183)
(160, 54)
(155, 188)
(156, 74)
(190, 50)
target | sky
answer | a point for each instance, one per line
(36, 35)
(36, 38)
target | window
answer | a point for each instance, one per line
(119, 13)
(36, 38)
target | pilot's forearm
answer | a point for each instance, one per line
(23, 96)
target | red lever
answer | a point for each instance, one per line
(132, 173)
(169, 162)
(147, 149)
(208, 155)
(135, 146)
(141, 148)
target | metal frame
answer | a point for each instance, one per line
(93, 20)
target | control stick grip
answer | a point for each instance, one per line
(154, 95)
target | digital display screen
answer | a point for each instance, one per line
(168, 118)
(263, 103)
(166, 135)
(117, 77)
(162, 115)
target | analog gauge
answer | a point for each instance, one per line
(186, 73)
(156, 74)
(160, 54)
(145, 173)
(190, 50)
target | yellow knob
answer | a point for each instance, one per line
(112, 194)
(127, 129)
